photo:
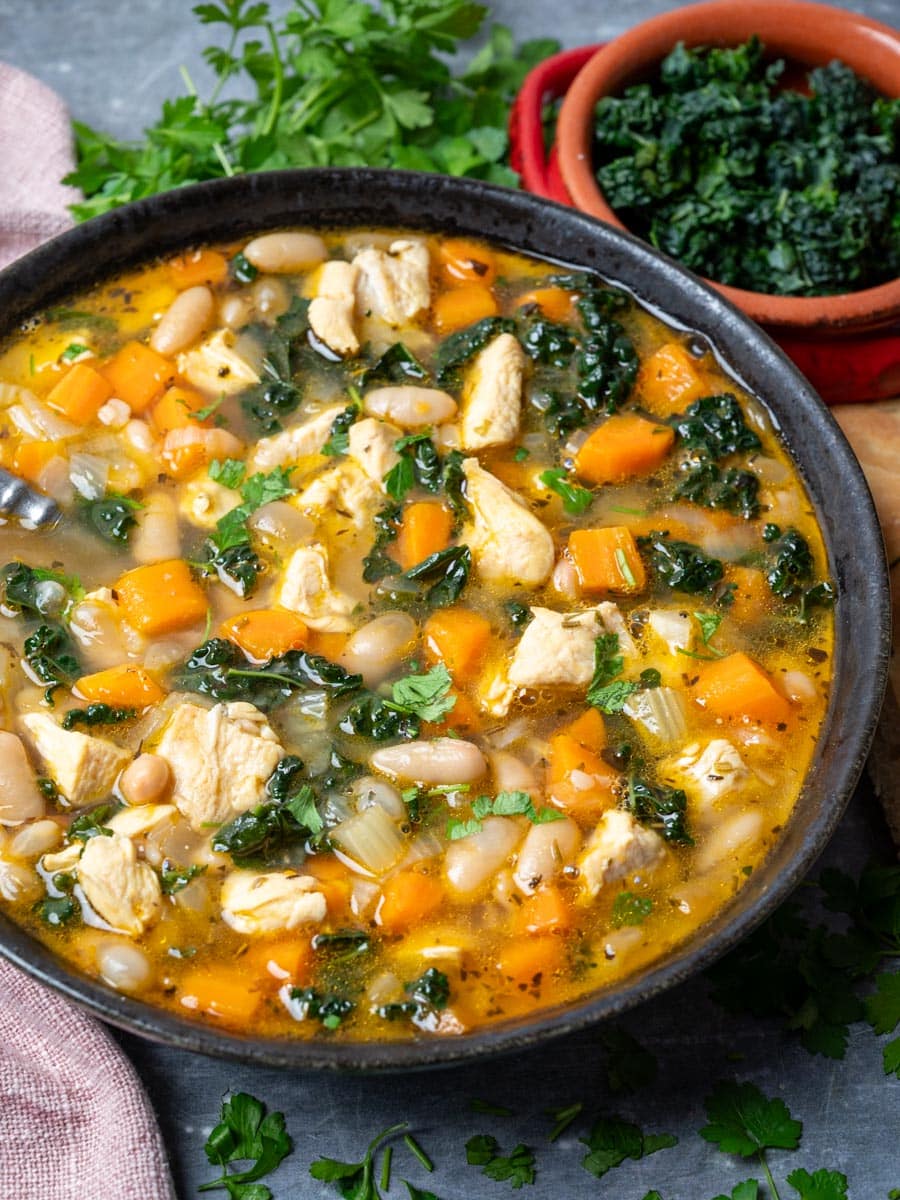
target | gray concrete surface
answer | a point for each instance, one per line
(114, 62)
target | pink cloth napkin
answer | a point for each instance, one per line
(74, 1119)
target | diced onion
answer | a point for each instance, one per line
(89, 475)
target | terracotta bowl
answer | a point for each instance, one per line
(810, 35)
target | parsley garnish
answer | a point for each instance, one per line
(612, 1140)
(246, 1133)
(576, 499)
(629, 909)
(504, 804)
(355, 1180)
(173, 878)
(424, 696)
(517, 1168)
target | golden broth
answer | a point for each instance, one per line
(372, 898)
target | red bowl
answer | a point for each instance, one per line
(808, 34)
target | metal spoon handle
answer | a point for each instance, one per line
(19, 500)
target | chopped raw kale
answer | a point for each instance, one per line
(339, 438)
(378, 563)
(173, 878)
(520, 615)
(456, 350)
(447, 572)
(91, 824)
(229, 551)
(242, 269)
(753, 184)
(429, 994)
(792, 567)
(277, 395)
(326, 1007)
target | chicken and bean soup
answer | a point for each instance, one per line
(429, 634)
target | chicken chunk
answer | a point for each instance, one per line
(120, 888)
(270, 903)
(84, 768)
(394, 284)
(345, 489)
(492, 397)
(556, 648)
(306, 589)
(617, 848)
(372, 447)
(509, 544)
(673, 627)
(20, 799)
(215, 366)
(711, 772)
(220, 759)
(294, 444)
(331, 312)
(142, 820)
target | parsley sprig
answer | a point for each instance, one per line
(246, 1133)
(325, 84)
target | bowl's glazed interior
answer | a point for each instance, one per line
(325, 199)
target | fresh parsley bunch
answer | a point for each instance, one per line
(332, 83)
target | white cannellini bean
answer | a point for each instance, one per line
(471, 861)
(146, 780)
(546, 850)
(35, 839)
(285, 253)
(157, 537)
(410, 407)
(97, 630)
(367, 790)
(278, 521)
(189, 315)
(443, 760)
(798, 686)
(124, 966)
(378, 647)
(270, 297)
(512, 775)
(235, 311)
(20, 799)
(731, 836)
(564, 579)
(18, 883)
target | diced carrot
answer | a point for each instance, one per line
(178, 408)
(138, 375)
(126, 687)
(279, 961)
(221, 992)
(752, 597)
(607, 560)
(530, 963)
(623, 446)
(737, 688)
(459, 638)
(328, 645)
(579, 781)
(80, 394)
(407, 899)
(30, 458)
(463, 717)
(588, 730)
(516, 475)
(462, 261)
(161, 597)
(463, 306)
(425, 528)
(196, 267)
(555, 303)
(266, 633)
(337, 897)
(326, 867)
(547, 911)
(568, 754)
(670, 379)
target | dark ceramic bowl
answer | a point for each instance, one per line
(234, 207)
